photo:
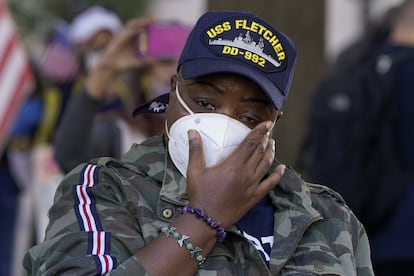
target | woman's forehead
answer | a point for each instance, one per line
(229, 82)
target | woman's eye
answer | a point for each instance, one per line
(249, 120)
(206, 105)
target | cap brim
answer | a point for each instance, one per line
(206, 66)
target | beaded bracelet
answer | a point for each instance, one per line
(201, 214)
(183, 240)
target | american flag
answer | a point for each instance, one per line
(15, 73)
(59, 62)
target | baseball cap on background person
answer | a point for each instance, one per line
(91, 21)
(240, 43)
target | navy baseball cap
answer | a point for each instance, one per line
(240, 43)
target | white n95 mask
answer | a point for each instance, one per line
(220, 135)
(91, 59)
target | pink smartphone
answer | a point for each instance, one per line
(162, 40)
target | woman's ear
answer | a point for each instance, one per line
(173, 83)
(172, 97)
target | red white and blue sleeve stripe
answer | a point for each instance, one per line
(99, 245)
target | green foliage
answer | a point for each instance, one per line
(33, 15)
(68, 8)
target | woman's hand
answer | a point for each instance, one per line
(229, 189)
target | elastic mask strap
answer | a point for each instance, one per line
(166, 130)
(181, 100)
(274, 122)
(273, 125)
(183, 104)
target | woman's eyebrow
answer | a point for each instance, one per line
(203, 82)
(257, 100)
(263, 101)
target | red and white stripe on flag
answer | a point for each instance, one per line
(16, 77)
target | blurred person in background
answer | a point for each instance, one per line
(393, 244)
(361, 134)
(32, 162)
(62, 67)
(366, 45)
(8, 206)
(17, 83)
(98, 122)
(14, 175)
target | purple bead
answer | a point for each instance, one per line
(186, 209)
(221, 235)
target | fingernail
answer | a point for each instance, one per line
(191, 134)
(269, 125)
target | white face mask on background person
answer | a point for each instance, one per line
(220, 135)
(91, 59)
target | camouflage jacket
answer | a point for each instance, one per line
(106, 210)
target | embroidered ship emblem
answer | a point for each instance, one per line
(248, 44)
